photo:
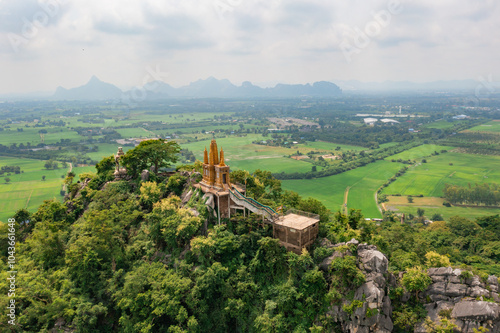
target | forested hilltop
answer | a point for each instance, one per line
(136, 255)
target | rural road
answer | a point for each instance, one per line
(346, 194)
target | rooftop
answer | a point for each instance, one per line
(296, 221)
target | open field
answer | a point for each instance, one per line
(433, 205)
(329, 146)
(54, 134)
(363, 183)
(241, 153)
(429, 178)
(441, 124)
(489, 127)
(27, 189)
(134, 133)
(418, 152)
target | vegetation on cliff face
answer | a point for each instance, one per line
(130, 256)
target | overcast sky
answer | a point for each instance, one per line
(44, 44)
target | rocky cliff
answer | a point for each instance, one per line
(467, 301)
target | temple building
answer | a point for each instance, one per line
(215, 171)
(295, 230)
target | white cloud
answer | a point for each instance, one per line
(256, 40)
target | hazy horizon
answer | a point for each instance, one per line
(51, 43)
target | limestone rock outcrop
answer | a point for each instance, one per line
(467, 301)
(374, 314)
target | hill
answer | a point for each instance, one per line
(211, 87)
(148, 255)
(95, 89)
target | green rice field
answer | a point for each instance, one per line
(418, 153)
(363, 183)
(27, 189)
(429, 178)
(492, 126)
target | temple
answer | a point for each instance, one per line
(215, 171)
(295, 230)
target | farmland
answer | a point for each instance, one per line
(241, 153)
(27, 189)
(489, 127)
(363, 183)
(429, 178)
(434, 205)
(84, 134)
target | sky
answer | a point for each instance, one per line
(51, 43)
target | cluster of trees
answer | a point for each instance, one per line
(364, 136)
(480, 194)
(345, 165)
(10, 169)
(51, 164)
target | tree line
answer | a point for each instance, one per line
(480, 194)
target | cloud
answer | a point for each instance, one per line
(257, 40)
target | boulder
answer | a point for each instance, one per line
(373, 261)
(437, 288)
(476, 311)
(478, 292)
(492, 280)
(371, 293)
(325, 264)
(456, 290)
(440, 271)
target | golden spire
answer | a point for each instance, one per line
(222, 158)
(205, 156)
(214, 154)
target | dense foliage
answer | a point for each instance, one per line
(131, 256)
(480, 194)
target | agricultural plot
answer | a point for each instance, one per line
(54, 134)
(362, 182)
(127, 133)
(329, 146)
(489, 127)
(418, 152)
(27, 189)
(446, 212)
(429, 178)
(441, 124)
(105, 150)
(241, 153)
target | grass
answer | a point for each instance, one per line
(489, 127)
(446, 212)
(363, 183)
(27, 189)
(134, 133)
(329, 146)
(29, 134)
(241, 153)
(441, 124)
(418, 152)
(429, 178)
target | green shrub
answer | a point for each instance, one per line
(350, 308)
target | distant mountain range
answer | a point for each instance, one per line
(400, 86)
(95, 89)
